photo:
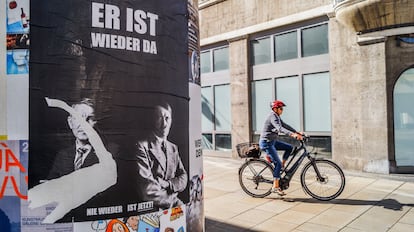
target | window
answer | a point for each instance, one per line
(286, 46)
(315, 40)
(261, 99)
(216, 117)
(207, 116)
(207, 141)
(222, 107)
(287, 90)
(215, 99)
(261, 51)
(307, 100)
(404, 119)
(205, 62)
(317, 107)
(221, 59)
(303, 84)
(214, 60)
(223, 142)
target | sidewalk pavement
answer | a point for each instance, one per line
(368, 203)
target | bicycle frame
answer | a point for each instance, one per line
(291, 169)
(314, 177)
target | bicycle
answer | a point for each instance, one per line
(320, 178)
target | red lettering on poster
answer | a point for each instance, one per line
(16, 189)
(10, 161)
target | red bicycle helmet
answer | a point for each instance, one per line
(277, 104)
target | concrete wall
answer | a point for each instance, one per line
(359, 112)
(231, 15)
(240, 92)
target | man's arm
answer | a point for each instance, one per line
(287, 126)
(277, 123)
(179, 181)
(294, 133)
(150, 187)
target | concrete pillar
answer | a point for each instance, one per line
(240, 91)
(359, 106)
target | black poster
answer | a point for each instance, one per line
(108, 126)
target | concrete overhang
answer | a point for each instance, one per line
(368, 16)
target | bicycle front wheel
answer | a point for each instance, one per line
(256, 178)
(322, 179)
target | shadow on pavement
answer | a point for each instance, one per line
(212, 225)
(391, 204)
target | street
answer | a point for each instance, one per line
(368, 203)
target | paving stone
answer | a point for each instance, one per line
(367, 204)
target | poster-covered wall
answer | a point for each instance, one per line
(114, 94)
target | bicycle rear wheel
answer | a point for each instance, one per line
(256, 177)
(328, 185)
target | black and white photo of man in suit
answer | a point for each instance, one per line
(74, 182)
(161, 173)
(80, 154)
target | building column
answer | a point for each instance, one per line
(359, 110)
(240, 92)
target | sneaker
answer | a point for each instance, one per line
(279, 191)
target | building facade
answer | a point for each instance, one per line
(345, 69)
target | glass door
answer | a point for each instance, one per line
(404, 120)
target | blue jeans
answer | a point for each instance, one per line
(271, 147)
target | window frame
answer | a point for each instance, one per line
(271, 48)
(299, 67)
(211, 57)
(282, 31)
(300, 77)
(298, 52)
(214, 131)
(301, 37)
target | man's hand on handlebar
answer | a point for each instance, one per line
(297, 136)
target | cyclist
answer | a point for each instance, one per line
(270, 144)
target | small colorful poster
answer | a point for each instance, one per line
(18, 16)
(17, 38)
(13, 180)
(142, 223)
(173, 220)
(12, 170)
(17, 41)
(14, 213)
(18, 61)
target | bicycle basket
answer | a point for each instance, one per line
(246, 150)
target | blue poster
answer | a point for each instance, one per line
(10, 214)
(18, 61)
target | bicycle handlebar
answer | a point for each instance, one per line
(303, 143)
(304, 138)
